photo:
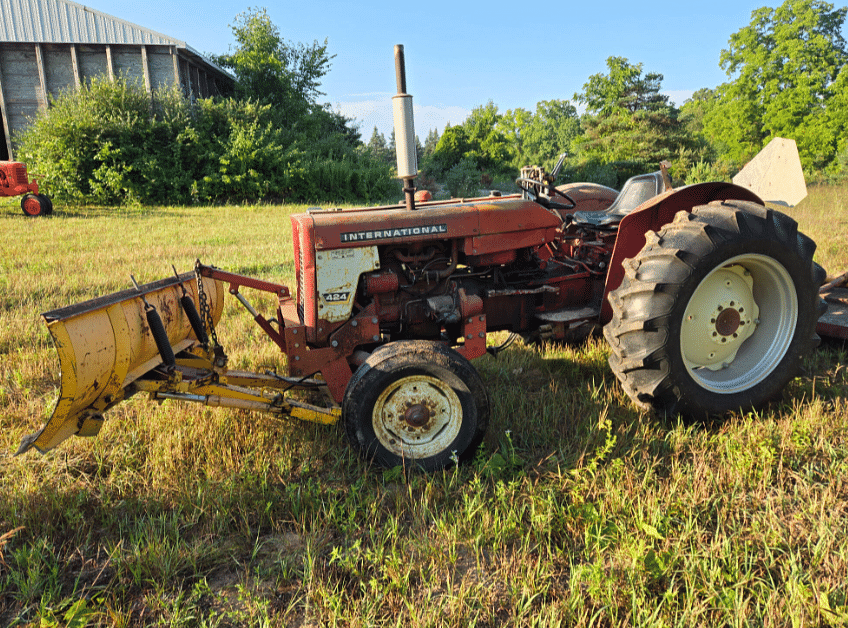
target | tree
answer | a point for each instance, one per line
(540, 138)
(629, 124)
(784, 69)
(489, 147)
(452, 146)
(270, 69)
(378, 147)
(695, 109)
(479, 138)
(513, 125)
(551, 132)
(624, 88)
(643, 139)
(431, 142)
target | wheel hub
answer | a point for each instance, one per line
(417, 416)
(727, 322)
(721, 315)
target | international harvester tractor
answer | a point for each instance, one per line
(708, 299)
(15, 182)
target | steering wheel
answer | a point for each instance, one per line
(534, 189)
(572, 205)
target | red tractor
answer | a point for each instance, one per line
(14, 182)
(708, 299)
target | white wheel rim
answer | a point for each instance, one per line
(417, 416)
(739, 323)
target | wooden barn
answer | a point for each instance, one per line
(47, 46)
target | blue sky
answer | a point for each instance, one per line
(460, 55)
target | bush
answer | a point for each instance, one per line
(704, 172)
(81, 132)
(591, 172)
(463, 179)
(111, 143)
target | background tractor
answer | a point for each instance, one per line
(708, 299)
(14, 182)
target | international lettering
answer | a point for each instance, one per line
(389, 234)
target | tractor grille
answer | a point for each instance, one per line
(20, 174)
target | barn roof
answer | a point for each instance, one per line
(66, 22)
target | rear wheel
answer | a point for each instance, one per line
(716, 312)
(48, 202)
(417, 403)
(36, 205)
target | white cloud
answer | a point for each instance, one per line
(431, 117)
(378, 112)
(679, 96)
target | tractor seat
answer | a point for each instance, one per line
(636, 191)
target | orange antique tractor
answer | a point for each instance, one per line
(708, 298)
(14, 182)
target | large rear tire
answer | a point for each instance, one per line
(416, 403)
(716, 312)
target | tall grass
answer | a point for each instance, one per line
(579, 510)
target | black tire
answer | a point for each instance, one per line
(445, 401)
(36, 205)
(48, 204)
(679, 340)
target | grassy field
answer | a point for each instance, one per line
(578, 511)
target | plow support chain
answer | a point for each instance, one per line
(106, 344)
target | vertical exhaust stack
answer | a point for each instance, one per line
(407, 157)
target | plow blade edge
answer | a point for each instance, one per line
(106, 344)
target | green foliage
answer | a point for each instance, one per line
(270, 69)
(629, 126)
(104, 141)
(430, 143)
(247, 158)
(451, 148)
(378, 147)
(514, 125)
(785, 70)
(703, 172)
(463, 179)
(352, 178)
(623, 89)
(539, 139)
(593, 172)
(478, 138)
(111, 143)
(489, 147)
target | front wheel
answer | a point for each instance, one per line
(716, 312)
(417, 403)
(36, 205)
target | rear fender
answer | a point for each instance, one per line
(655, 213)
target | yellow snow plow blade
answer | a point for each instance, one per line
(107, 343)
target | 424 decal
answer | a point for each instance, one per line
(336, 297)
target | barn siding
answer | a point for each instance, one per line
(92, 62)
(21, 83)
(58, 68)
(47, 46)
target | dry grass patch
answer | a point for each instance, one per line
(578, 511)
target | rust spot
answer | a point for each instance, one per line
(728, 322)
(165, 309)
